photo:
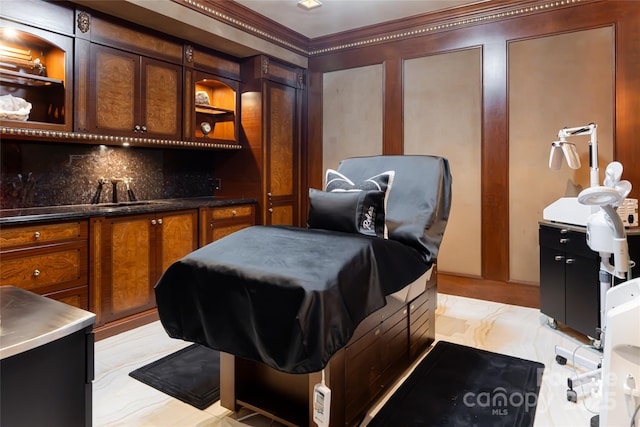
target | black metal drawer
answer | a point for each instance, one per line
(565, 240)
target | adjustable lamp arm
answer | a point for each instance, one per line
(590, 129)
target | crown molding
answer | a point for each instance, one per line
(479, 13)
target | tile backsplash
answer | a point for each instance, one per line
(52, 174)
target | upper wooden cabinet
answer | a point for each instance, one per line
(211, 97)
(132, 95)
(36, 68)
(128, 81)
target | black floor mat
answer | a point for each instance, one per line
(191, 375)
(456, 385)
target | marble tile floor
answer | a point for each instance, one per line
(119, 400)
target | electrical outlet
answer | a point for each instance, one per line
(217, 184)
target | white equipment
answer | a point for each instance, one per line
(621, 362)
(620, 305)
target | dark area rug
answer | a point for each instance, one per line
(191, 375)
(456, 385)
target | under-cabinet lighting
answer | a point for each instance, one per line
(309, 4)
(125, 144)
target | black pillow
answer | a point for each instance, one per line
(348, 211)
(337, 182)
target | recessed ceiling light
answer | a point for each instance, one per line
(309, 4)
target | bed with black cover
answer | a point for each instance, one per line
(283, 302)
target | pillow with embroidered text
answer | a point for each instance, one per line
(337, 182)
(348, 211)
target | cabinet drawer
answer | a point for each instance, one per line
(42, 233)
(566, 240)
(232, 212)
(47, 270)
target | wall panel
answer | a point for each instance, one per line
(352, 104)
(554, 82)
(443, 116)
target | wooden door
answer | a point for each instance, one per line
(114, 93)
(161, 106)
(128, 266)
(281, 154)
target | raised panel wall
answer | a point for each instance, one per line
(554, 82)
(443, 117)
(352, 114)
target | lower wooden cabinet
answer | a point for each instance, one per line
(136, 250)
(217, 222)
(49, 259)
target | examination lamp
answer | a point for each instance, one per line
(562, 148)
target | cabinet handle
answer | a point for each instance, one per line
(136, 128)
(570, 261)
(270, 209)
(564, 231)
(377, 332)
(558, 258)
(564, 240)
(234, 213)
(36, 272)
(160, 221)
(211, 225)
(153, 222)
(269, 194)
(36, 235)
(143, 129)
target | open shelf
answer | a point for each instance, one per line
(18, 78)
(216, 105)
(36, 66)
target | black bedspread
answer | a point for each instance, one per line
(287, 297)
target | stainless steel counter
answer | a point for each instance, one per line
(28, 320)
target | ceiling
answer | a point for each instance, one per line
(336, 16)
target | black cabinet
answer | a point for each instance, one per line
(569, 276)
(569, 283)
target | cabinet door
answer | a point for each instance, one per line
(114, 91)
(128, 266)
(177, 238)
(161, 105)
(282, 154)
(552, 285)
(583, 294)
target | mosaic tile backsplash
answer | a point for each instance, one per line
(52, 174)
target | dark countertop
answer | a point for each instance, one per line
(48, 213)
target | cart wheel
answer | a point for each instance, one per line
(572, 396)
(553, 324)
(561, 360)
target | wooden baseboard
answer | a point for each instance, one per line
(123, 325)
(489, 290)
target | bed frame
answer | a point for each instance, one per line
(382, 348)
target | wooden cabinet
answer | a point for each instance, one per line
(50, 259)
(135, 252)
(128, 80)
(211, 97)
(133, 95)
(36, 68)
(381, 348)
(269, 165)
(218, 222)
